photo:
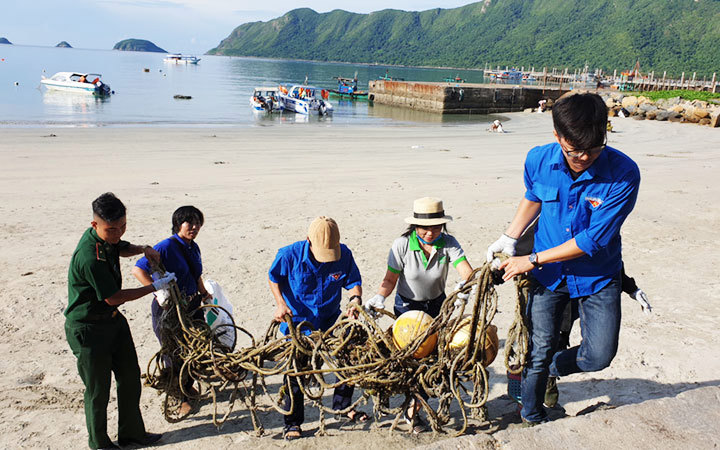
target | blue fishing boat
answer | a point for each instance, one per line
(348, 88)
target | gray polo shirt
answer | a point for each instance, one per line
(423, 278)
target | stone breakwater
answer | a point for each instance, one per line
(668, 109)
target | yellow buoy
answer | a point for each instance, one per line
(462, 336)
(408, 327)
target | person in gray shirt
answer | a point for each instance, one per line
(418, 263)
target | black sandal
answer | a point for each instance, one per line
(358, 418)
(292, 432)
(416, 423)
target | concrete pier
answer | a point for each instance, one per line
(459, 98)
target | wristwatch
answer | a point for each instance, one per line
(534, 260)
(358, 298)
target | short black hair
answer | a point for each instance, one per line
(108, 207)
(408, 231)
(188, 214)
(581, 119)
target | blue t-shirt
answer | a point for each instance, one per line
(174, 260)
(312, 290)
(590, 209)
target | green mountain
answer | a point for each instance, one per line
(137, 45)
(677, 35)
(4, 41)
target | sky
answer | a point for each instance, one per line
(188, 26)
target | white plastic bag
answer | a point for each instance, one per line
(162, 295)
(218, 319)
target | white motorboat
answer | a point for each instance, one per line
(77, 82)
(305, 99)
(178, 58)
(265, 99)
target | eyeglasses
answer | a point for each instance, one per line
(589, 152)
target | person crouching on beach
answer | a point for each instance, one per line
(418, 263)
(180, 255)
(585, 191)
(98, 333)
(306, 279)
(496, 127)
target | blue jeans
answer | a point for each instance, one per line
(600, 328)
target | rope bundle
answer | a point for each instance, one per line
(356, 350)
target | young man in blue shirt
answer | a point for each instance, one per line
(306, 279)
(585, 191)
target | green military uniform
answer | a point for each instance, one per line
(100, 339)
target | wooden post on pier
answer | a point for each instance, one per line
(714, 86)
(663, 80)
(544, 78)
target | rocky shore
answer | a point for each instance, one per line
(674, 109)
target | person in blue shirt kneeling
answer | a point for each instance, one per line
(585, 191)
(306, 279)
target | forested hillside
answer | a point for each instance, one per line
(672, 35)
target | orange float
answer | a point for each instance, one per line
(461, 339)
(411, 325)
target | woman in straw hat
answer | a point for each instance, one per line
(418, 263)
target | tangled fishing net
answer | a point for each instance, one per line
(356, 351)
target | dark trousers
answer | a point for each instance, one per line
(101, 349)
(342, 397)
(600, 325)
(157, 312)
(432, 307)
(193, 308)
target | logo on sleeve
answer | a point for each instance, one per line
(336, 276)
(594, 201)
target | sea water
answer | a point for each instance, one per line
(220, 88)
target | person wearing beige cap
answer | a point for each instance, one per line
(306, 279)
(418, 264)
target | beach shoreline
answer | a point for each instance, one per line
(259, 187)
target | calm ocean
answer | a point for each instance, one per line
(220, 88)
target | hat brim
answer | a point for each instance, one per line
(428, 222)
(324, 255)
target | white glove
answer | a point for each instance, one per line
(505, 244)
(164, 281)
(462, 298)
(642, 298)
(376, 302)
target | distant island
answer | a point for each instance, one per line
(673, 36)
(64, 44)
(137, 45)
(4, 41)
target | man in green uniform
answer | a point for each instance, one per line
(98, 333)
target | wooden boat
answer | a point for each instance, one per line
(347, 88)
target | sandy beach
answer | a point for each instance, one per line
(260, 187)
